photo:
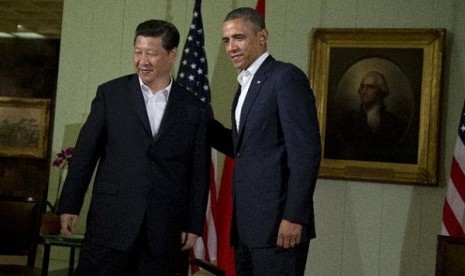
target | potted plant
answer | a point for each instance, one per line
(50, 220)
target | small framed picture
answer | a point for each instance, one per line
(24, 127)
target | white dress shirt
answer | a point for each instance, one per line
(155, 103)
(244, 80)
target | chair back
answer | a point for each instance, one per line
(450, 258)
(19, 226)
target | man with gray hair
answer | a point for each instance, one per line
(371, 133)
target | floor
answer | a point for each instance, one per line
(57, 271)
(60, 272)
(64, 272)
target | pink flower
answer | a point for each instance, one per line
(63, 157)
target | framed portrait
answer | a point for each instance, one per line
(378, 98)
(24, 127)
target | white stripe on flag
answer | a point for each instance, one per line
(460, 154)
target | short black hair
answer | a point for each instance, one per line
(159, 28)
(249, 15)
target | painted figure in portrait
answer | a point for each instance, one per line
(371, 114)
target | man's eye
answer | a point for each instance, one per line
(367, 86)
(151, 54)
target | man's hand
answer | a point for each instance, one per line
(188, 240)
(68, 224)
(288, 234)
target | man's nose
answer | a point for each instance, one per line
(362, 88)
(143, 59)
(231, 46)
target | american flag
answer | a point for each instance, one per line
(193, 74)
(453, 221)
(193, 70)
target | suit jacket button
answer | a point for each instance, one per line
(238, 154)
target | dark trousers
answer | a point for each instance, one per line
(271, 261)
(138, 260)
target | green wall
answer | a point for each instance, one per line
(362, 228)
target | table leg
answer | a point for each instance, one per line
(46, 259)
(71, 261)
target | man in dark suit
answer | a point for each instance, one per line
(276, 144)
(149, 138)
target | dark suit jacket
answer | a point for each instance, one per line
(277, 155)
(161, 182)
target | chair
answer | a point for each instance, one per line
(450, 258)
(183, 261)
(19, 232)
(213, 269)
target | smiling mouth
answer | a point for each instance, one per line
(145, 71)
(235, 58)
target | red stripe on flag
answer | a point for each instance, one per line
(457, 177)
(260, 7)
(210, 236)
(225, 204)
(454, 205)
(451, 223)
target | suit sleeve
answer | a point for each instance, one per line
(200, 178)
(298, 117)
(87, 152)
(220, 137)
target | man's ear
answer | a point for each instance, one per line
(263, 36)
(173, 52)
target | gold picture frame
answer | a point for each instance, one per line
(395, 139)
(24, 127)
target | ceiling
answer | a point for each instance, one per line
(39, 16)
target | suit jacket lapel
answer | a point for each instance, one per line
(254, 89)
(233, 114)
(136, 100)
(172, 109)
